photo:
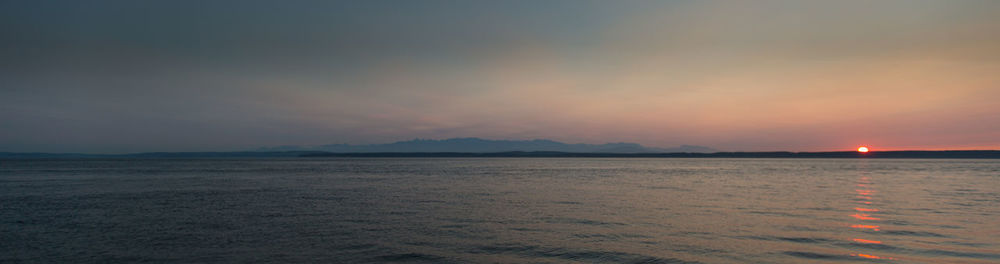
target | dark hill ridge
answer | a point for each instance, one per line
(910, 154)
(947, 154)
(478, 145)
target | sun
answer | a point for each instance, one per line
(863, 149)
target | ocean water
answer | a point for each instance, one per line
(500, 210)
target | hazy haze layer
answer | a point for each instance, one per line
(127, 76)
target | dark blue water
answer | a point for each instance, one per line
(500, 210)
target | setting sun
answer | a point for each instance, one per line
(863, 149)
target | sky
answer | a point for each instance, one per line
(134, 76)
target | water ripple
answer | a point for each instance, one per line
(570, 254)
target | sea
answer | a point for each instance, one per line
(500, 210)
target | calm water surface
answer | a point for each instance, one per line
(506, 210)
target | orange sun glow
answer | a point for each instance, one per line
(863, 149)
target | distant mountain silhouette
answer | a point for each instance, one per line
(907, 154)
(478, 145)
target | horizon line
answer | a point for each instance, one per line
(493, 152)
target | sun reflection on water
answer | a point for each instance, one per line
(872, 227)
(866, 241)
(868, 256)
(865, 196)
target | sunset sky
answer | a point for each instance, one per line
(133, 76)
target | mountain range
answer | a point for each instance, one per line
(478, 145)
